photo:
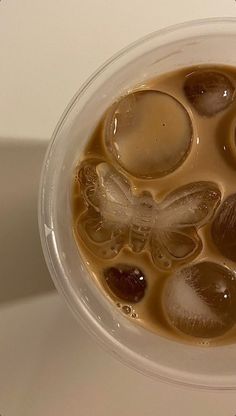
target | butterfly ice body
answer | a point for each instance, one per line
(116, 217)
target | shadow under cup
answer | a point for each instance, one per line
(200, 42)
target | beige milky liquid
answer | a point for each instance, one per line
(210, 159)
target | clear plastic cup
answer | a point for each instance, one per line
(211, 41)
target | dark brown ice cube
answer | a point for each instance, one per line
(209, 92)
(126, 282)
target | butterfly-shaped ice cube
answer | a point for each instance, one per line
(115, 217)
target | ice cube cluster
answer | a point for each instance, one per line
(148, 134)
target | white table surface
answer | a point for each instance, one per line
(47, 49)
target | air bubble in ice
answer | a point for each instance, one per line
(224, 228)
(209, 92)
(200, 300)
(149, 133)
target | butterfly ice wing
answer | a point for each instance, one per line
(115, 195)
(158, 253)
(168, 247)
(103, 240)
(190, 205)
(106, 190)
(88, 182)
(174, 237)
(103, 227)
(181, 246)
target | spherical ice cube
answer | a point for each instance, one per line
(209, 92)
(224, 228)
(126, 282)
(200, 300)
(149, 133)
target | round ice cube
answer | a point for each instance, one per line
(200, 300)
(209, 92)
(149, 133)
(126, 282)
(224, 228)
